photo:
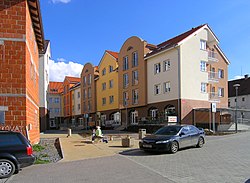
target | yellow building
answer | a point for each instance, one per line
(107, 87)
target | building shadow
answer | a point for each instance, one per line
(138, 152)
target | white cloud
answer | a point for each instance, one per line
(60, 1)
(58, 70)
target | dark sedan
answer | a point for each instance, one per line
(173, 137)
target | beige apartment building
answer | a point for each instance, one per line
(77, 119)
(88, 93)
(186, 72)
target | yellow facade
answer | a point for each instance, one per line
(108, 60)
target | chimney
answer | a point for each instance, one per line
(246, 76)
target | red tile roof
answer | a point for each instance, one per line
(173, 41)
(114, 54)
(55, 87)
(73, 79)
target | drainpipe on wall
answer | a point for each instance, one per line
(179, 83)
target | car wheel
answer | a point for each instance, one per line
(7, 168)
(200, 142)
(174, 147)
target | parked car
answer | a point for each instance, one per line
(15, 153)
(172, 138)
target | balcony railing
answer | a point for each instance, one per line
(213, 76)
(213, 96)
(212, 56)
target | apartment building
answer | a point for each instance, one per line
(44, 57)
(67, 98)
(21, 39)
(77, 119)
(88, 93)
(107, 90)
(186, 72)
(242, 98)
(55, 105)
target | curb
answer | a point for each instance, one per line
(59, 139)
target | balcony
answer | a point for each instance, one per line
(213, 77)
(214, 97)
(212, 57)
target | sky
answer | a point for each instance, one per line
(81, 30)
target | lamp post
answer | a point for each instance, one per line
(236, 86)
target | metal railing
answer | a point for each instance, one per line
(213, 96)
(213, 76)
(212, 56)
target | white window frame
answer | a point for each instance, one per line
(220, 73)
(157, 89)
(135, 94)
(203, 66)
(111, 99)
(104, 86)
(111, 83)
(125, 63)
(166, 65)
(203, 87)
(104, 71)
(166, 87)
(104, 101)
(203, 44)
(221, 92)
(125, 80)
(135, 59)
(135, 77)
(157, 68)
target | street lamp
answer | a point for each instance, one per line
(236, 86)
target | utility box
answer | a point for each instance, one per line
(142, 133)
(127, 142)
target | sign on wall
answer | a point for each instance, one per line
(172, 119)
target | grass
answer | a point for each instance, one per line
(38, 147)
(41, 161)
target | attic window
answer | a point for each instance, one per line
(129, 48)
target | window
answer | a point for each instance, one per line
(50, 100)
(135, 59)
(84, 81)
(243, 99)
(125, 63)
(221, 73)
(203, 87)
(166, 87)
(84, 94)
(104, 101)
(89, 92)
(84, 106)
(111, 99)
(111, 83)
(166, 65)
(104, 71)
(135, 77)
(57, 110)
(78, 95)
(89, 79)
(157, 68)
(203, 45)
(89, 106)
(203, 66)
(157, 89)
(125, 80)
(135, 94)
(111, 68)
(221, 92)
(56, 100)
(229, 103)
(125, 98)
(103, 86)
(78, 107)
(235, 100)
(9, 140)
(2, 117)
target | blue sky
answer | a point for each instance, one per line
(81, 30)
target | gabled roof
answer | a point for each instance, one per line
(73, 79)
(46, 44)
(55, 87)
(173, 41)
(244, 88)
(114, 54)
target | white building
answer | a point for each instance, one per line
(44, 58)
(186, 72)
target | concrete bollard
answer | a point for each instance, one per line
(69, 132)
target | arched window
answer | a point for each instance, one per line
(153, 113)
(169, 111)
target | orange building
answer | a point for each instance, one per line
(21, 39)
(67, 97)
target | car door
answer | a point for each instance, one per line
(194, 134)
(185, 138)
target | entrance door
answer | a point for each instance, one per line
(134, 116)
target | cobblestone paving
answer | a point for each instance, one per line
(222, 159)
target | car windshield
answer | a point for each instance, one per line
(168, 130)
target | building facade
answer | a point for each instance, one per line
(55, 105)
(107, 90)
(186, 72)
(77, 119)
(88, 94)
(21, 39)
(44, 57)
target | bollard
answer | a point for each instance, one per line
(142, 133)
(69, 132)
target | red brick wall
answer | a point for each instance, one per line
(19, 67)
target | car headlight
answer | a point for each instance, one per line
(162, 142)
